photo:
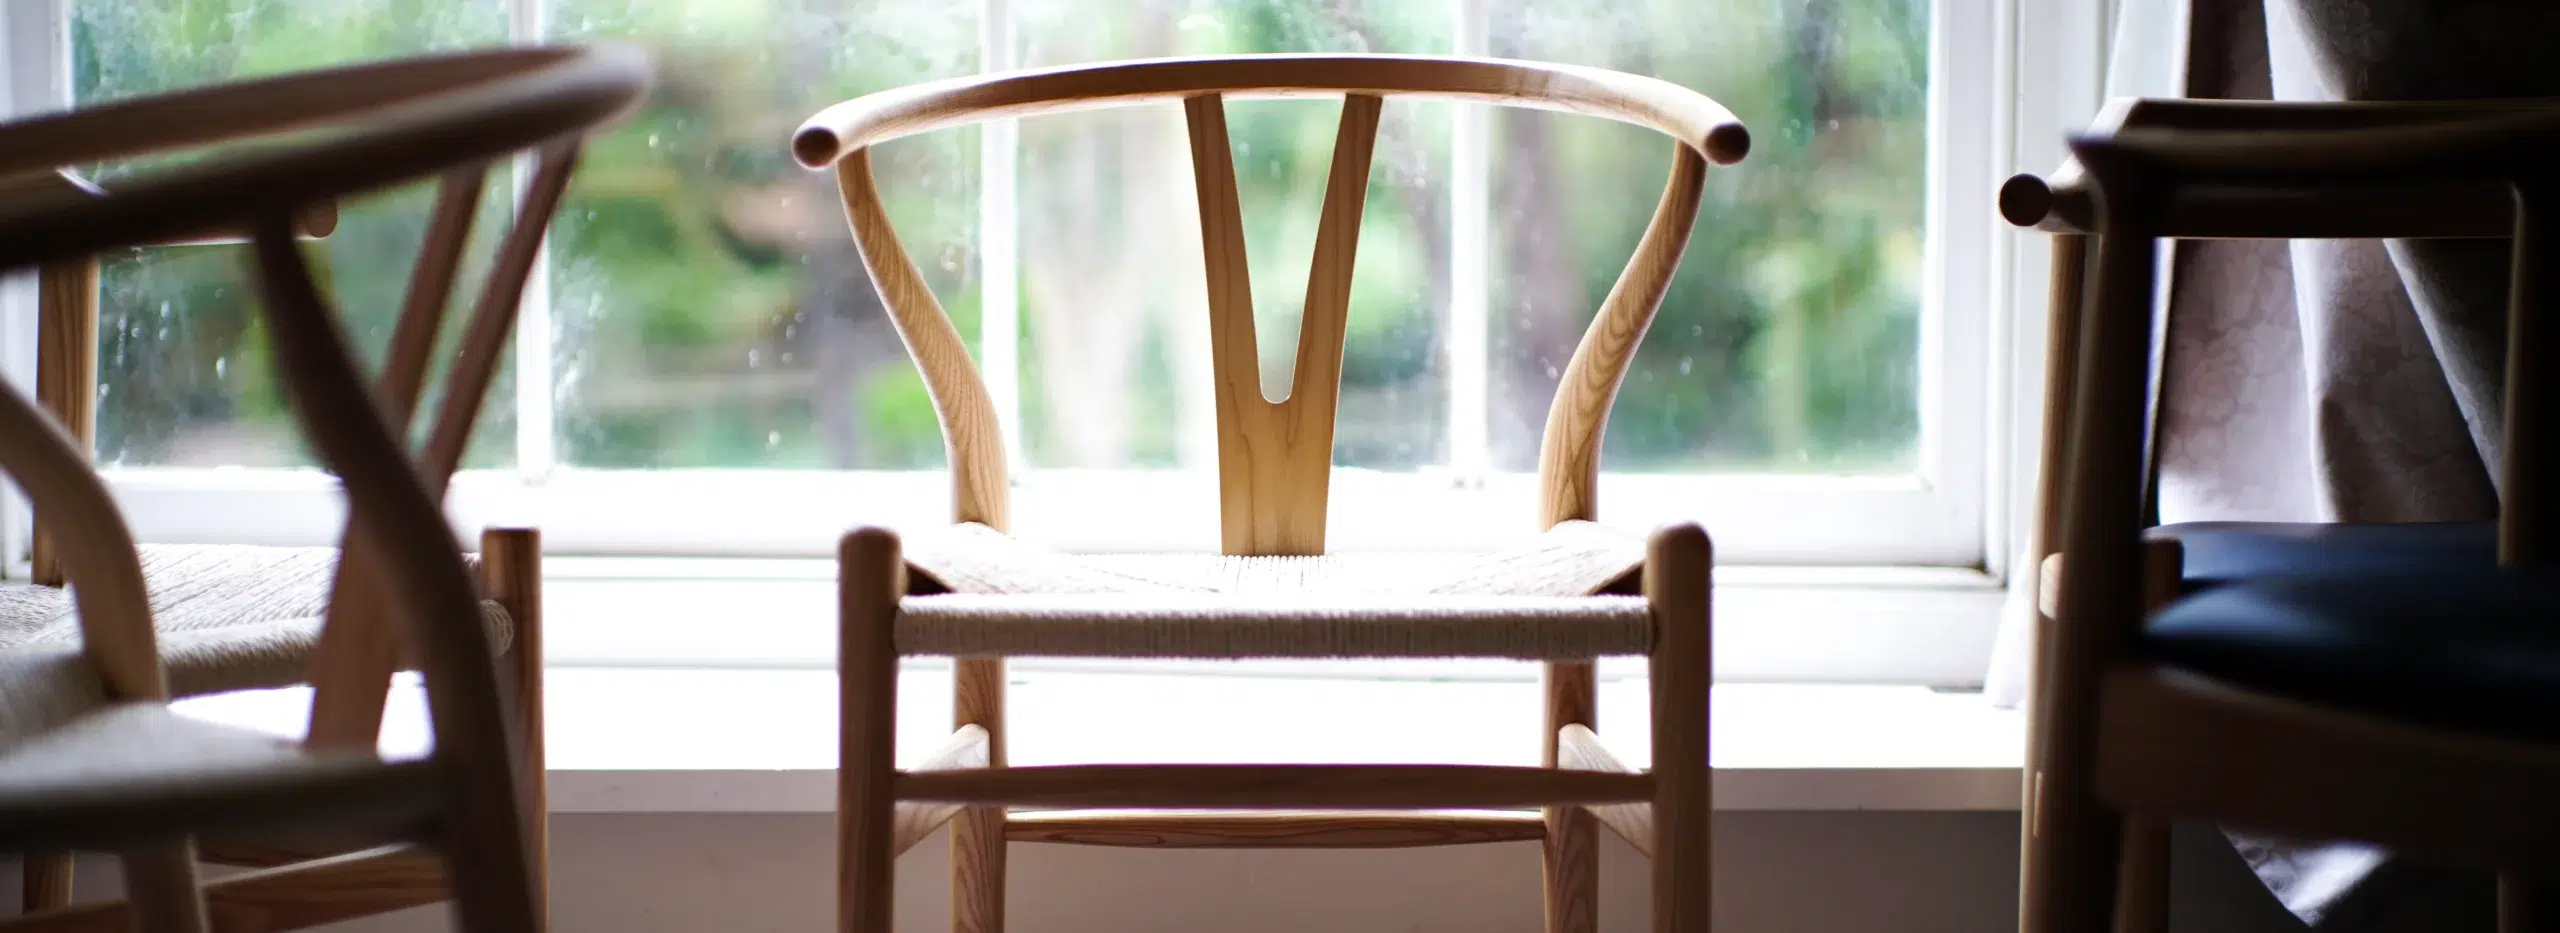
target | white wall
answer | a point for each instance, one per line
(1775, 873)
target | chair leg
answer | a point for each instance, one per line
(2528, 903)
(871, 577)
(1570, 859)
(511, 575)
(978, 833)
(1677, 582)
(160, 883)
(45, 881)
(2142, 868)
(2142, 876)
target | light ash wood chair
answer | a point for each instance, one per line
(1275, 592)
(2350, 685)
(150, 779)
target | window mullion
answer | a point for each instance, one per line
(528, 21)
(1470, 408)
(999, 258)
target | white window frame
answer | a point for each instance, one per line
(2007, 79)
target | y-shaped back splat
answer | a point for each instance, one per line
(1275, 458)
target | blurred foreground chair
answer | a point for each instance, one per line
(2389, 684)
(1275, 592)
(91, 758)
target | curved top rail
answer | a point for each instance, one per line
(377, 125)
(1679, 112)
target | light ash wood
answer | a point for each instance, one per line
(1349, 829)
(1677, 570)
(1358, 787)
(522, 98)
(66, 373)
(1668, 108)
(1569, 454)
(486, 834)
(1265, 510)
(978, 833)
(1569, 859)
(352, 666)
(274, 900)
(973, 441)
(511, 576)
(1274, 458)
(160, 883)
(871, 577)
(1580, 749)
(966, 748)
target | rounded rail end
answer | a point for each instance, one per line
(1728, 143)
(2025, 199)
(815, 146)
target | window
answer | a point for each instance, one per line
(702, 366)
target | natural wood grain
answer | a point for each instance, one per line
(1677, 569)
(2071, 870)
(1275, 458)
(513, 101)
(1673, 110)
(1569, 858)
(95, 548)
(352, 664)
(978, 833)
(511, 576)
(1569, 455)
(966, 748)
(44, 881)
(972, 439)
(1354, 787)
(66, 373)
(2176, 743)
(160, 883)
(870, 579)
(299, 896)
(1579, 748)
(1275, 830)
(1253, 501)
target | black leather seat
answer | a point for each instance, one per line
(2474, 649)
(2223, 553)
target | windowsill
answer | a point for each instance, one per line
(708, 685)
(1842, 624)
(712, 740)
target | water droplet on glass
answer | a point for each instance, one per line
(773, 438)
(752, 357)
(1685, 364)
(221, 367)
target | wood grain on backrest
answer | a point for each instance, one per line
(1275, 457)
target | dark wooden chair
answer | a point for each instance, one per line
(90, 756)
(2383, 683)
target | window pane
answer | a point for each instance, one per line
(708, 305)
(1789, 340)
(1115, 319)
(184, 366)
